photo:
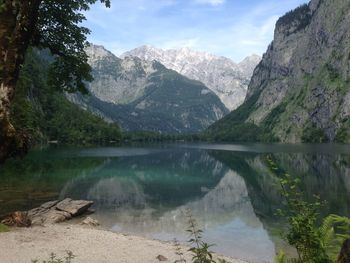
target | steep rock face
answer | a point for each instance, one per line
(300, 91)
(225, 78)
(115, 80)
(144, 95)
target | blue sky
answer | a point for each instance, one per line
(231, 28)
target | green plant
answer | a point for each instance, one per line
(199, 249)
(314, 243)
(302, 217)
(281, 257)
(334, 230)
(54, 259)
(4, 228)
(45, 114)
(179, 252)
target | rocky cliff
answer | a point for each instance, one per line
(300, 91)
(227, 79)
(145, 95)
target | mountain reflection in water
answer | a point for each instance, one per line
(228, 188)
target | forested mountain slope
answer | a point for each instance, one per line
(44, 113)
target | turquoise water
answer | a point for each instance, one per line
(145, 190)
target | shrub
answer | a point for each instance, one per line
(314, 243)
(199, 248)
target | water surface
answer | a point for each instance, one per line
(145, 190)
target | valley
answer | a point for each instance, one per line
(164, 124)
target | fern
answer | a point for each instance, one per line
(334, 230)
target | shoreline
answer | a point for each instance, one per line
(88, 244)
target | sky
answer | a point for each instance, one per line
(230, 28)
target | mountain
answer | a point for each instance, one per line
(225, 78)
(300, 91)
(145, 95)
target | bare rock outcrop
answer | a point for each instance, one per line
(58, 211)
(300, 90)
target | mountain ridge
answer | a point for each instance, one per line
(145, 95)
(227, 79)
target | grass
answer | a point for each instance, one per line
(4, 228)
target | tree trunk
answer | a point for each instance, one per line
(17, 23)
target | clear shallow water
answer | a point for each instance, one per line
(145, 190)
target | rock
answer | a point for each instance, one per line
(48, 216)
(190, 106)
(58, 211)
(299, 92)
(227, 79)
(162, 258)
(18, 219)
(90, 222)
(56, 216)
(49, 204)
(74, 207)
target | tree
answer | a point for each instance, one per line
(46, 24)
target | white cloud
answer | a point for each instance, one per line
(235, 31)
(211, 2)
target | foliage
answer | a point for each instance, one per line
(46, 114)
(179, 253)
(314, 243)
(302, 216)
(54, 259)
(59, 29)
(237, 116)
(334, 230)
(45, 24)
(199, 248)
(343, 134)
(313, 134)
(235, 127)
(273, 116)
(4, 228)
(242, 132)
(280, 257)
(149, 136)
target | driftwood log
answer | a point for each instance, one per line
(18, 219)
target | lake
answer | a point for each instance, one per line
(146, 189)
